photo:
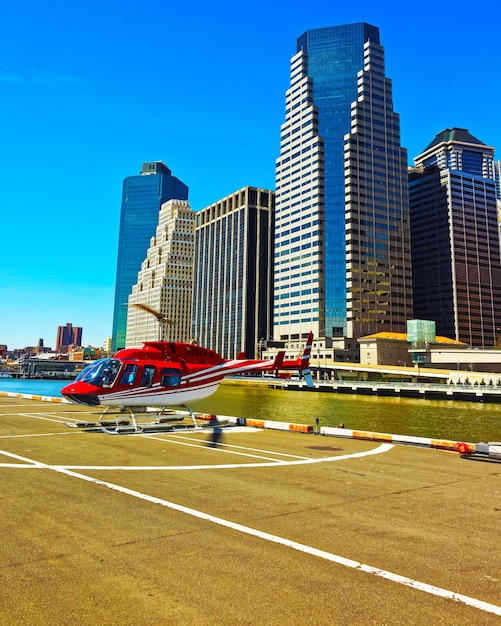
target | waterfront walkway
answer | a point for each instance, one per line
(475, 393)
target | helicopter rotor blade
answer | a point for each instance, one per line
(160, 316)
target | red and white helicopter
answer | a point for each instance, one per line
(163, 375)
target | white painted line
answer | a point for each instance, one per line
(230, 445)
(162, 468)
(16, 406)
(204, 444)
(43, 417)
(294, 545)
(36, 435)
(27, 464)
(224, 447)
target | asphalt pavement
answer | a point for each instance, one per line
(242, 526)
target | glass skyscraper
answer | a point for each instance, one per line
(342, 248)
(142, 197)
(455, 238)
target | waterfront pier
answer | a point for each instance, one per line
(473, 393)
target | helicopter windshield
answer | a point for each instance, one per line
(101, 373)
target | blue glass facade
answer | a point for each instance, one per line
(142, 198)
(342, 246)
(335, 56)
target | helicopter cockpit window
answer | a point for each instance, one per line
(148, 376)
(170, 377)
(129, 374)
(101, 373)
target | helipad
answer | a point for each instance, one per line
(254, 527)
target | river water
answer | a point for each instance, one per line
(442, 419)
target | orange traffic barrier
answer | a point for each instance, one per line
(301, 428)
(255, 423)
(372, 436)
(443, 445)
(206, 417)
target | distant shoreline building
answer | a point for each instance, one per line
(68, 335)
(455, 238)
(142, 197)
(161, 299)
(342, 245)
(232, 293)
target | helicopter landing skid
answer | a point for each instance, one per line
(165, 421)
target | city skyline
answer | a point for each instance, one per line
(76, 124)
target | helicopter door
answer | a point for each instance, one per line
(170, 377)
(148, 375)
(129, 374)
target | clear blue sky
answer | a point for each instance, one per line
(90, 90)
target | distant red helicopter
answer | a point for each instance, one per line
(166, 374)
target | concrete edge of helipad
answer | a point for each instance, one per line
(426, 442)
(29, 396)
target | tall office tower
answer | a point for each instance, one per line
(142, 197)
(455, 238)
(165, 282)
(342, 248)
(497, 177)
(232, 294)
(68, 335)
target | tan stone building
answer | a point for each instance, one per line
(161, 300)
(388, 348)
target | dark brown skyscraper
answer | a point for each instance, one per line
(455, 238)
(68, 335)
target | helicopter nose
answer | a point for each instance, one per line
(82, 398)
(80, 393)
